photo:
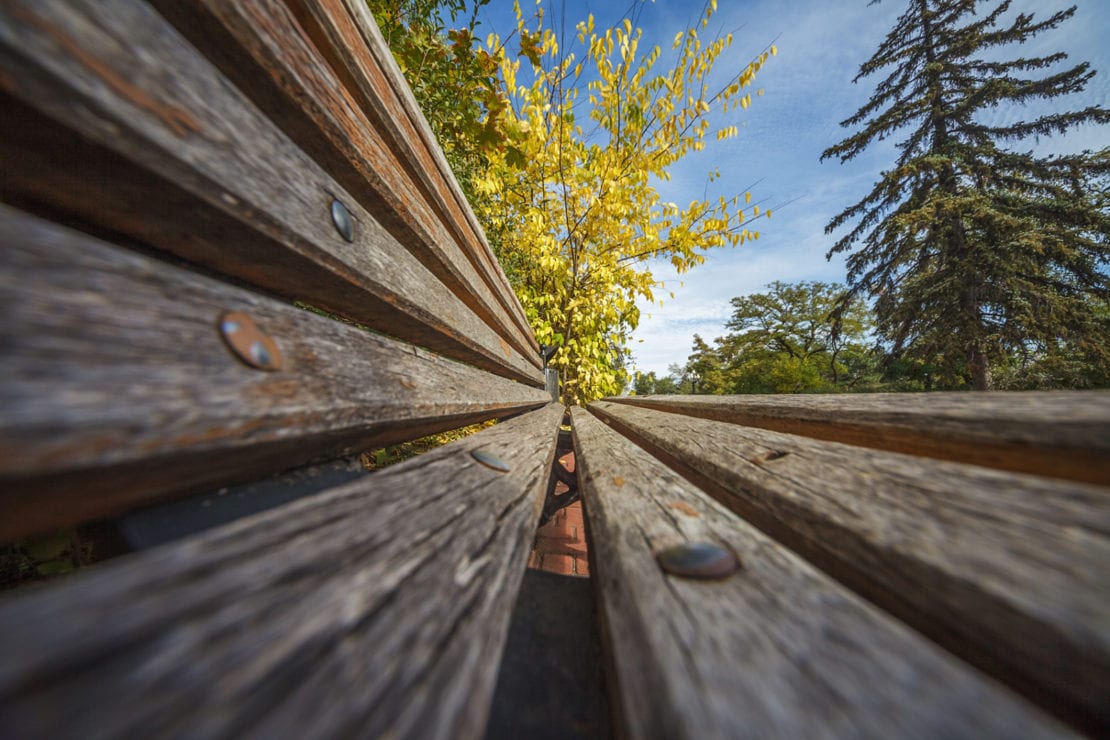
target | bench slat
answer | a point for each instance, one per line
(1005, 570)
(345, 31)
(260, 46)
(117, 120)
(775, 650)
(377, 609)
(1063, 434)
(116, 386)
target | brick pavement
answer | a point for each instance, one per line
(560, 545)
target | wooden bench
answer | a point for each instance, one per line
(182, 179)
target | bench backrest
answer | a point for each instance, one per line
(171, 170)
(181, 182)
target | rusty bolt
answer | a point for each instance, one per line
(248, 342)
(701, 560)
(341, 217)
(490, 461)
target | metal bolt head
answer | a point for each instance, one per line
(490, 461)
(701, 560)
(342, 220)
(248, 343)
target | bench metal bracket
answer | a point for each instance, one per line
(556, 501)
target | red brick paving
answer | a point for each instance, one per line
(560, 545)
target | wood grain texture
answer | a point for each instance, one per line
(345, 32)
(1063, 434)
(259, 45)
(116, 386)
(1005, 570)
(378, 609)
(775, 650)
(112, 118)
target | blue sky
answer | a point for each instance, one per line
(821, 44)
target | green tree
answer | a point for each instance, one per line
(705, 371)
(786, 340)
(646, 384)
(972, 250)
(678, 377)
(576, 196)
(1041, 366)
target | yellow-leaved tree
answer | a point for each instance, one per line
(574, 200)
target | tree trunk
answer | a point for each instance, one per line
(980, 368)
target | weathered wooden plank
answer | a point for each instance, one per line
(346, 33)
(260, 46)
(113, 118)
(116, 385)
(777, 649)
(1005, 570)
(1063, 434)
(378, 609)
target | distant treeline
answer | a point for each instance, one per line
(787, 340)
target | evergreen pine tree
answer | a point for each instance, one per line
(970, 248)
